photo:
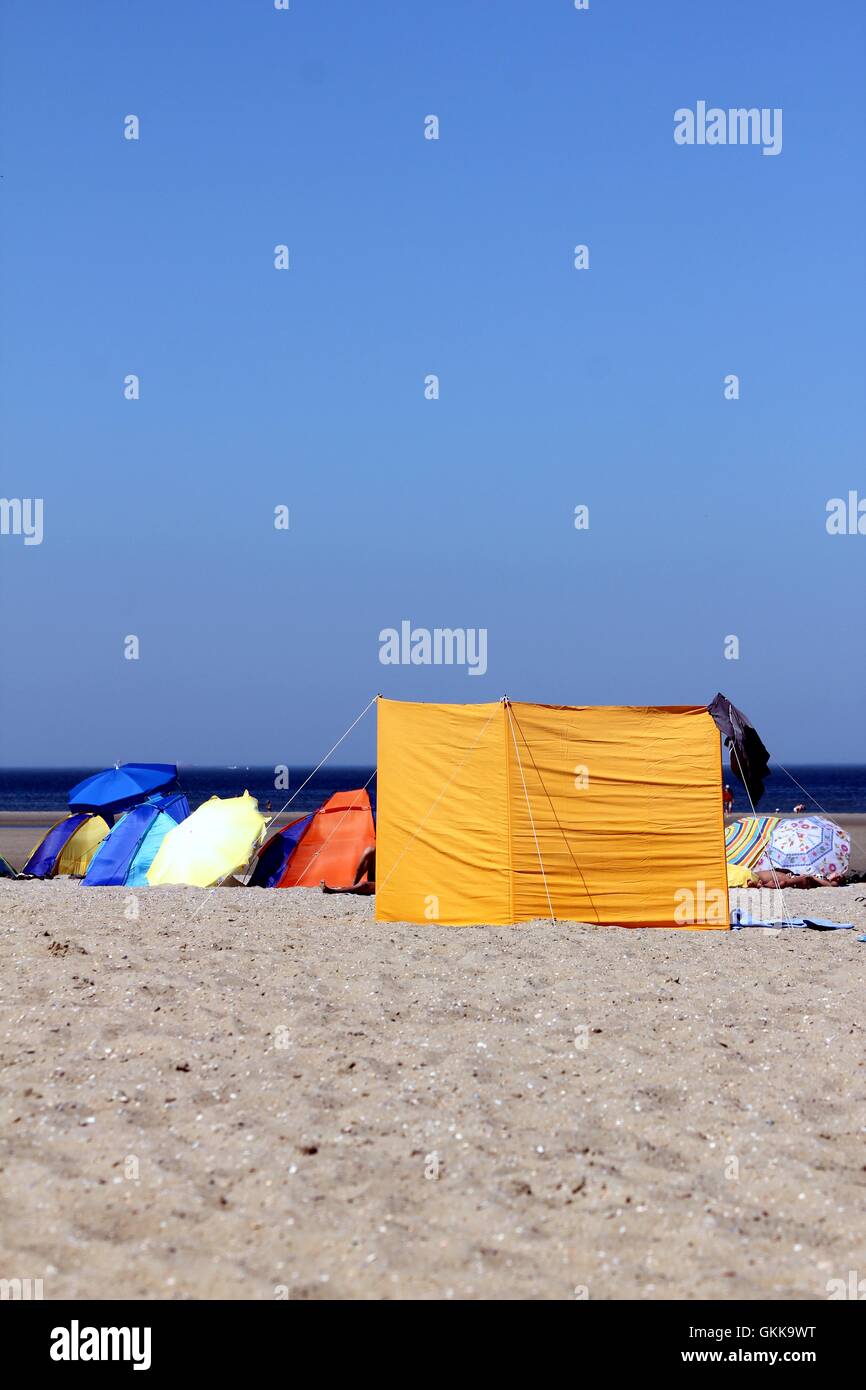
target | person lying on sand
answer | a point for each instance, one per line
(365, 876)
(778, 878)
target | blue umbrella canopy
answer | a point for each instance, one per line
(117, 788)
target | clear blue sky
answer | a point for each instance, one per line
(409, 257)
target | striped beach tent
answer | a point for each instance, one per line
(746, 841)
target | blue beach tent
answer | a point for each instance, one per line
(58, 845)
(276, 853)
(127, 853)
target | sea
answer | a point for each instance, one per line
(832, 788)
(46, 789)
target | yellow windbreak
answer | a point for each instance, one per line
(442, 822)
(627, 811)
(503, 813)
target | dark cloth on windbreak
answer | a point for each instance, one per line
(750, 761)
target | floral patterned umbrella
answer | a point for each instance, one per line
(809, 845)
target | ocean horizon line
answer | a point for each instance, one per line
(346, 767)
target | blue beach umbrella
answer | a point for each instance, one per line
(118, 788)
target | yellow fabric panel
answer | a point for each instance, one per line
(627, 810)
(442, 814)
(81, 847)
(625, 804)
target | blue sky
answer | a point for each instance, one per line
(408, 257)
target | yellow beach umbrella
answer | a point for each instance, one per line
(213, 842)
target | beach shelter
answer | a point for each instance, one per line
(216, 840)
(794, 844)
(746, 841)
(328, 846)
(6, 870)
(502, 813)
(127, 852)
(68, 847)
(275, 853)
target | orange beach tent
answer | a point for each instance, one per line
(333, 843)
(501, 813)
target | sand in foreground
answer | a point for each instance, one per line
(251, 1094)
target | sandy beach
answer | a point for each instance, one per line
(260, 1094)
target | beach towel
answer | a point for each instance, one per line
(743, 919)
